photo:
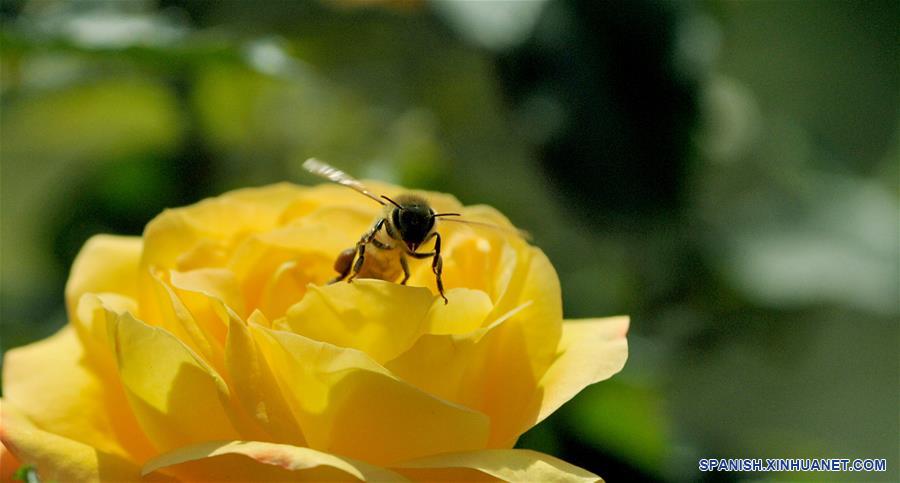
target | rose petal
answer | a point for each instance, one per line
(504, 384)
(472, 259)
(523, 349)
(445, 365)
(274, 268)
(90, 322)
(535, 281)
(328, 195)
(512, 273)
(475, 256)
(206, 299)
(288, 283)
(175, 395)
(227, 218)
(379, 318)
(505, 464)
(334, 226)
(347, 404)
(57, 458)
(517, 273)
(214, 283)
(255, 385)
(465, 311)
(438, 364)
(169, 312)
(199, 235)
(58, 388)
(591, 350)
(106, 263)
(331, 195)
(260, 461)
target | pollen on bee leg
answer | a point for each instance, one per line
(343, 264)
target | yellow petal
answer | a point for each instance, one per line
(471, 259)
(199, 236)
(206, 299)
(504, 384)
(447, 475)
(535, 282)
(106, 263)
(511, 273)
(169, 312)
(328, 195)
(347, 404)
(227, 218)
(259, 461)
(476, 257)
(504, 464)
(591, 350)
(334, 196)
(437, 364)
(57, 458)
(90, 322)
(521, 351)
(176, 396)
(465, 311)
(379, 318)
(334, 226)
(501, 264)
(501, 377)
(445, 365)
(287, 284)
(214, 283)
(255, 385)
(274, 268)
(58, 388)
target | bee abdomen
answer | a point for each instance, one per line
(381, 264)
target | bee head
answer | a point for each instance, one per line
(413, 219)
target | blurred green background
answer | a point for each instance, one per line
(725, 172)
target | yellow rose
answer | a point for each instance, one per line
(212, 348)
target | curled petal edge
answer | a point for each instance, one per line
(505, 464)
(255, 453)
(591, 350)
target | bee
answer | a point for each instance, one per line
(405, 225)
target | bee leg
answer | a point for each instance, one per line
(383, 246)
(342, 265)
(437, 266)
(369, 237)
(437, 263)
(360, 259)
(405, 265)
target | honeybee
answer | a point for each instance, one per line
(405, 224)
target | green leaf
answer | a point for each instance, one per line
(27, 473)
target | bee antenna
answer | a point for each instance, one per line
(392, 202)
(447, 214)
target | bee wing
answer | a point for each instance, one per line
(507, 229)
(331, 173)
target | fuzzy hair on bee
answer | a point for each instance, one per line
(405, 225)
